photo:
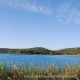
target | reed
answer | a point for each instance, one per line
(38, 73)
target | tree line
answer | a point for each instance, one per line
(42, 51)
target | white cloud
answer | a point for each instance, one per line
(27, 5)
(65, 13)
(68, 14)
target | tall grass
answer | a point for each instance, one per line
(38, 73)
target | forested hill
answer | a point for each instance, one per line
(42, 51)
(70, 51)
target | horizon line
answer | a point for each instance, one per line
(41, 47)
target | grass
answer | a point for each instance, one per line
(38, 73)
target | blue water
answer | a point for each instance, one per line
(38, 60)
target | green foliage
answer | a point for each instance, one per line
(42, 51)
(70, 51)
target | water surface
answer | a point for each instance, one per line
(38, 60)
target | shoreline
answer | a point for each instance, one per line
(37, 54)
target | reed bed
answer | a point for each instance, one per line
(38, 73)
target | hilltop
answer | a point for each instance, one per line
(42, 51)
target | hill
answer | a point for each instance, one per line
(42, 51)
(70, 51)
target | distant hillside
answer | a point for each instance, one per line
(70, 51)
(4, 50)
(42, 51)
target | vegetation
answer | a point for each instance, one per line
(70, 51)
(42, 51)
(38, 73)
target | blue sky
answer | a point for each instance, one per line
(53, 24)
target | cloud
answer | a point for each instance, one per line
(27, 5)
(68, 14)
(65, 12)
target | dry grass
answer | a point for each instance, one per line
(38, 73)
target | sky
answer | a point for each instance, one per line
(52, 24)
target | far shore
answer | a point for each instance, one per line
(42, 51)
(38, 54)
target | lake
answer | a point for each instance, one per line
(38, 60)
